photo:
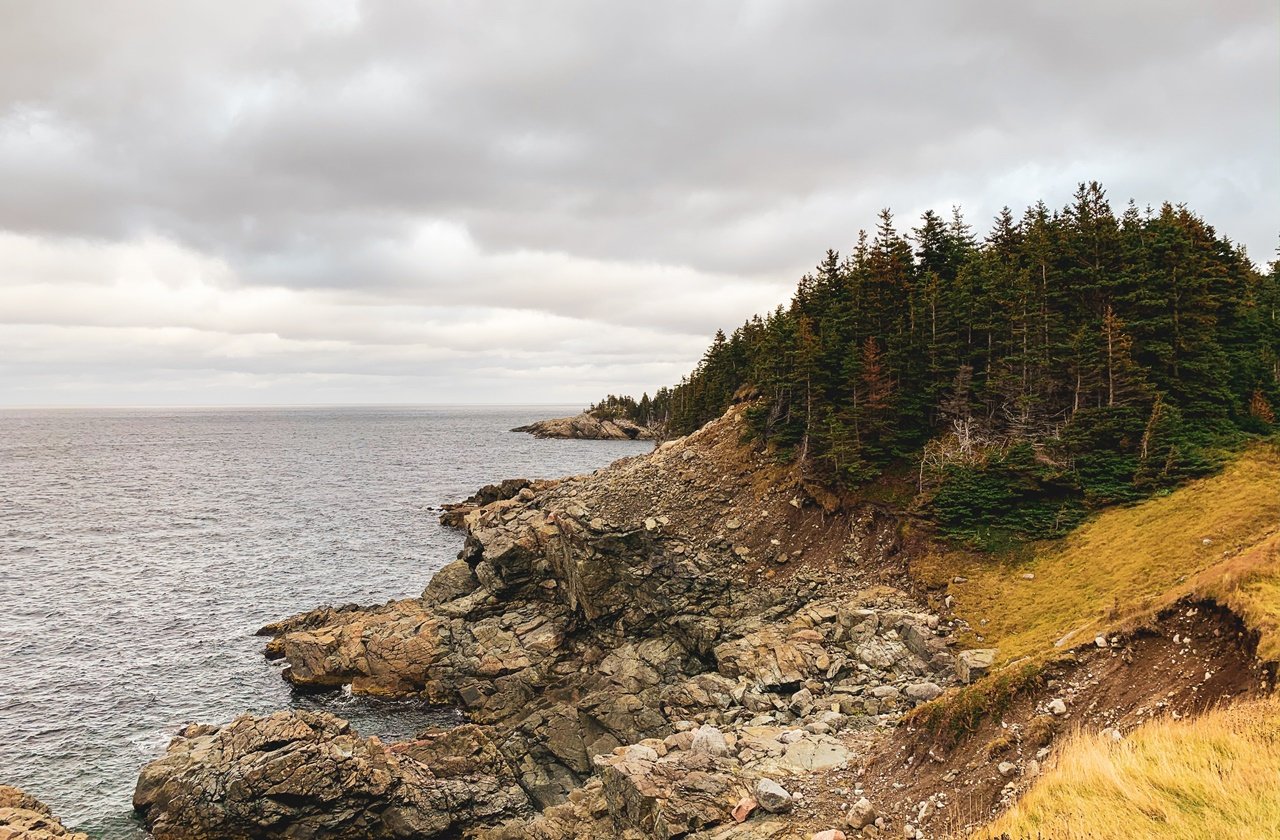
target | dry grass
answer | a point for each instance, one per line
(1215, 777)
(1249, 584)
(1126, 562)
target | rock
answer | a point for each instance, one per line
(1007, 768)
(923, 691)
(1057, 706)
(453, 581)
(743, 809)
(668, 798)
(829, 834)
(974, 664)
(587, 426)
(708, 740)
(1028, 576)
(300, 774)
(861, 814)
(772, 658)
(1100, 641)
(772, 796)
(23, 817)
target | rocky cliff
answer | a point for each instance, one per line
(587, 426)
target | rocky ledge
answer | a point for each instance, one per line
(587, 426)
(307, 774)
(677, 646)
(23, 817)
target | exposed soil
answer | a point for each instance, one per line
(1195, 656)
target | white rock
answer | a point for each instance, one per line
(1057, 706)
(709, 741)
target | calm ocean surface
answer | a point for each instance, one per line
(140, 549)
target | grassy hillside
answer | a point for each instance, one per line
(1218, 536)
(1213, 777)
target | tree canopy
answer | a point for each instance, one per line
(1086, 357)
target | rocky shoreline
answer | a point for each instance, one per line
(23, 817)
(587, 426)
(654, 650)
(685, 644)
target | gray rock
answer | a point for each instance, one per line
(923, 691)
(974, 664)
(708, 740)
(308, 774)
(772, 796)
(451, 582)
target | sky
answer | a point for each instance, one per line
(329, 201)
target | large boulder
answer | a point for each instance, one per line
(309, 775)
(23, 817)
(973, 665)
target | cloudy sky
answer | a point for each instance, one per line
(329, 201)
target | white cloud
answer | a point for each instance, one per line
(312, 200)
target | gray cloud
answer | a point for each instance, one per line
(509, 195)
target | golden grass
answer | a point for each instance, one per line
(1249, 584)
(1214, 777)
(1125, 562)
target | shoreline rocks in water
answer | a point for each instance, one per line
(308, 774)
(587, 426)
(23, 817)
(641, 646)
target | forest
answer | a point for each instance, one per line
(1066, 360)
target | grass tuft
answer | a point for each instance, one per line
(956, 714)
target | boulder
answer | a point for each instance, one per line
(922, 691)
(450, 583)
(861, 814)
(309, 774)
(772, 657)
(772, 796)
(670, 797)
(974, 664)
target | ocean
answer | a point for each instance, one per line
(141, 548)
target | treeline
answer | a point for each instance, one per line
(652, 413)
(1071, 356)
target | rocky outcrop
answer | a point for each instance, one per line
(587, 426)
(641, 645)
(307, 774)
(23, 817)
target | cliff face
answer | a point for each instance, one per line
(587, 426)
